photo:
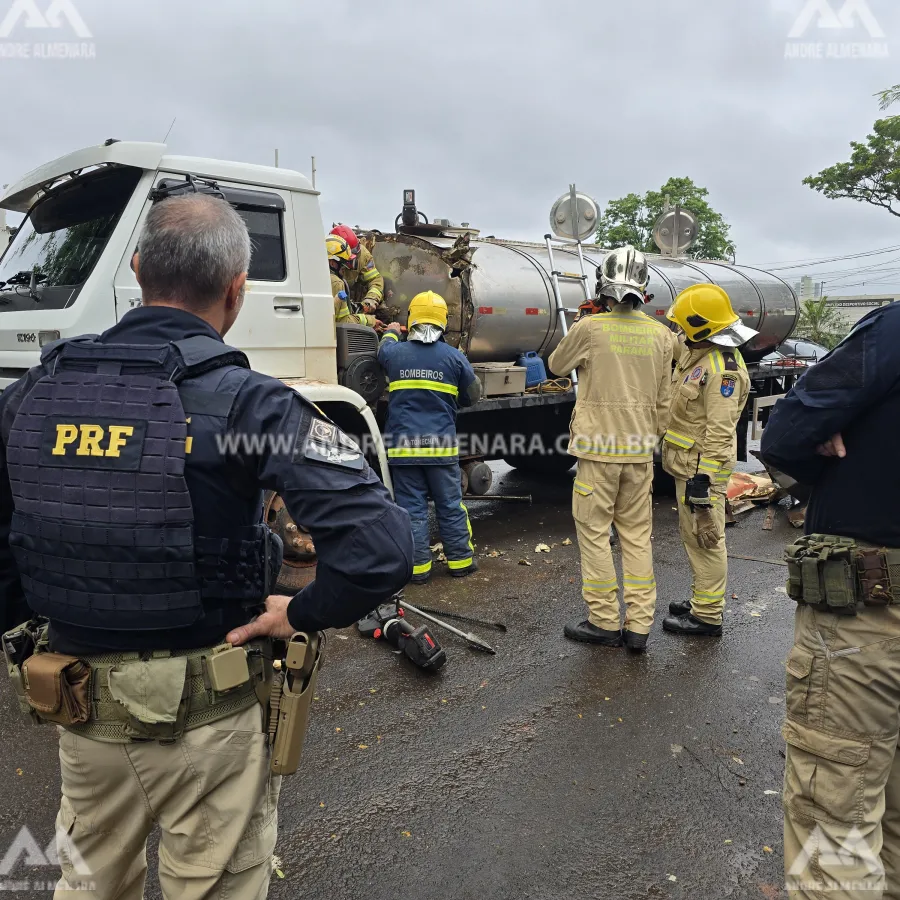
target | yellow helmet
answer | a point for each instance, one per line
(704, 313)
(338, 248)
(428, 308)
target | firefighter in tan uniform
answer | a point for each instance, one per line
(710, 389)
(624, 363)
(365, 283)
(338, 253)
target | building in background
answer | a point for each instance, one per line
(854, 308)
(807, 289)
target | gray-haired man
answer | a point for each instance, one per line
(124, 524)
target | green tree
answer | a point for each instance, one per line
(630, 220)
(889, 96)
(872, 174)
(821, 323)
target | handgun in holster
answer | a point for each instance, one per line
(293, 686)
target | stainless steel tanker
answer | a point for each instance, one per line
(501, 297)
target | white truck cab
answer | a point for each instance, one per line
(67, 270)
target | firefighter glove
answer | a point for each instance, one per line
(706, 531)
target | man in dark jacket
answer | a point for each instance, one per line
(835, 432)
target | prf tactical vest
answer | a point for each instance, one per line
(103, 529)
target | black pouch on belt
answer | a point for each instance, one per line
(58, 688)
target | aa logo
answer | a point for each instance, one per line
(852, 14)
(848, 865)
(25, 849)
(58, 13)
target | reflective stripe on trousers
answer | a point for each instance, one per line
(708, 567)
(412, 487)
(603, 494)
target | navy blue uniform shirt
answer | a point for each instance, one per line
(363, 540)
(427, 384)
(854, 391)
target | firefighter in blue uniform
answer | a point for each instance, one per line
(835, 432)
(428, 379)
(131, 486)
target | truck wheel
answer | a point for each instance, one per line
(548, 464)
(480, 476)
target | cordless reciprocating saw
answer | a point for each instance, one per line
(387, 623)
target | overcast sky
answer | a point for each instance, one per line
(489, 108)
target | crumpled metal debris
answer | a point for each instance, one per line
(745, 491)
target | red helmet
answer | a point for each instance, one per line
(349, 235)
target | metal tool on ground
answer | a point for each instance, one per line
(760, 559)
(508, 498)
(497, 626)
(471, 639)
(419, 645)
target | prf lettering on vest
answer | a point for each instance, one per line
(95, 443)
(90, 438)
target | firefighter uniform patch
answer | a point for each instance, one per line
(728, 384)
(324, 442)
(697, 374)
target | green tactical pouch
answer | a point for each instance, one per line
(838, 585)
(821, 573)
(793, 556)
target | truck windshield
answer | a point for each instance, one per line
(57, 246)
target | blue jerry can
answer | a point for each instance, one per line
(535, 372)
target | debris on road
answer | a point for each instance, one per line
(797, 515)
(746, 491)
(542, 548)
(567, 542)
(524, 562)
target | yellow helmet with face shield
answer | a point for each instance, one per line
(704, 313)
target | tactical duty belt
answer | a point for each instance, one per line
(130, 697)
(835, 574)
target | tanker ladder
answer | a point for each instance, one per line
(556, 275)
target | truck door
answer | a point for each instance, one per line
(271, 328)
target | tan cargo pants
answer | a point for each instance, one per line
(842, 771)
(211, 793)
(708, 567)
(615, 493)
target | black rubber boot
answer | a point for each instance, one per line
(468, 570)
(680, 607)
(591, 634)
(424, 578)
(689, 625)
(637, 643)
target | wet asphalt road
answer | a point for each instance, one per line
(551, 770)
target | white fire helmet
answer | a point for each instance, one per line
(623, 274)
